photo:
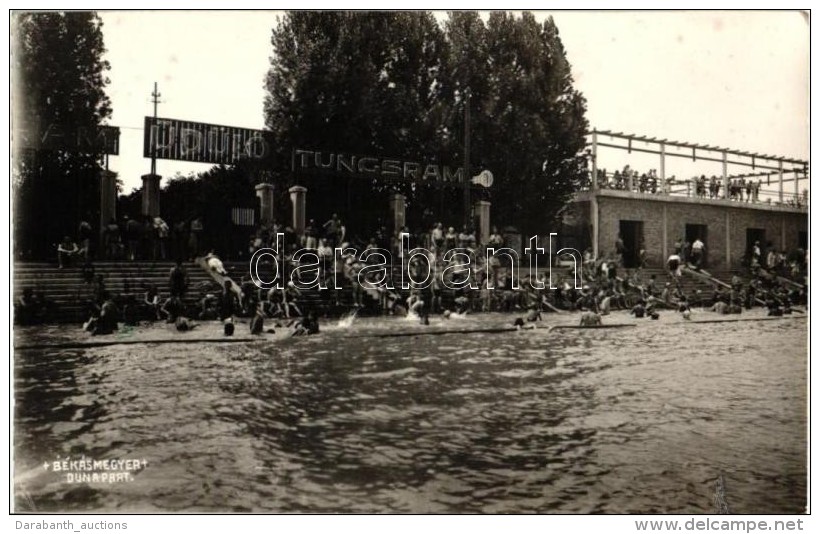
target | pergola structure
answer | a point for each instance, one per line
(768, 164)
(784, 169)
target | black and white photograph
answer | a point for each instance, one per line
(410, 262)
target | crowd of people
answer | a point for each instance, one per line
(132, 239)
(490, 285)
(486, 284)
(629, 179)
(740, 189)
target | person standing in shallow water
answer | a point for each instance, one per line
(228, 302)
(258, 320)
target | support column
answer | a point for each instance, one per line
(728, 243)
(264, 192)
(782, 232)
(665, 237)
(150, 194)
(108, 198)
(108, 207)
(725, 177)
(594, 184)
(298, 200)
(796, 185)
(482, 209)
(780, 181)
(398, 208)
(593, 209)
(664, 185)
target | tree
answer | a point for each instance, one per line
(360, 83)
(527, 120)
(58, 94)
(395, 84)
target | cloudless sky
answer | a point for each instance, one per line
(732, 79)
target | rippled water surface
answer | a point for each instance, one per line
(630, 420)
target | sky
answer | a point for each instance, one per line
(733, 79)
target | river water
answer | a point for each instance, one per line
(637, 420)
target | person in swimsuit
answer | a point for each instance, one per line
(673, 265)
(258, 320)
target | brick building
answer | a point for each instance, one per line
(656, 221)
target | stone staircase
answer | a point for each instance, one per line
(69, 294)
(690, 284)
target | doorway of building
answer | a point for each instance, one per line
(632, 237)
(698, 231)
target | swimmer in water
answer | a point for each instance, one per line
(519, 324)
(415, 303)
(183, 324)
(309, 325)
(720, 307)
(462, 303)
(604, 304)
(590, 319)
(258, 320)
(683, 305)
(638, 310)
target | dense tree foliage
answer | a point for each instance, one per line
(394, 84)
(208, 196)
(58, 93)
(360, 83)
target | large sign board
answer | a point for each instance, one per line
(315, 161)
(203, 143)
(101, 140)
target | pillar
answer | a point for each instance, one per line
(482, 209)
(783, 231)
(780, 181)
(298, 200)
(664, 237)
(728, 243)
(150, 194)
(664, 185)
(398, 206)
(593, 209)
(594, 185)
(264, 192)
(725, 176)
(108, 198)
